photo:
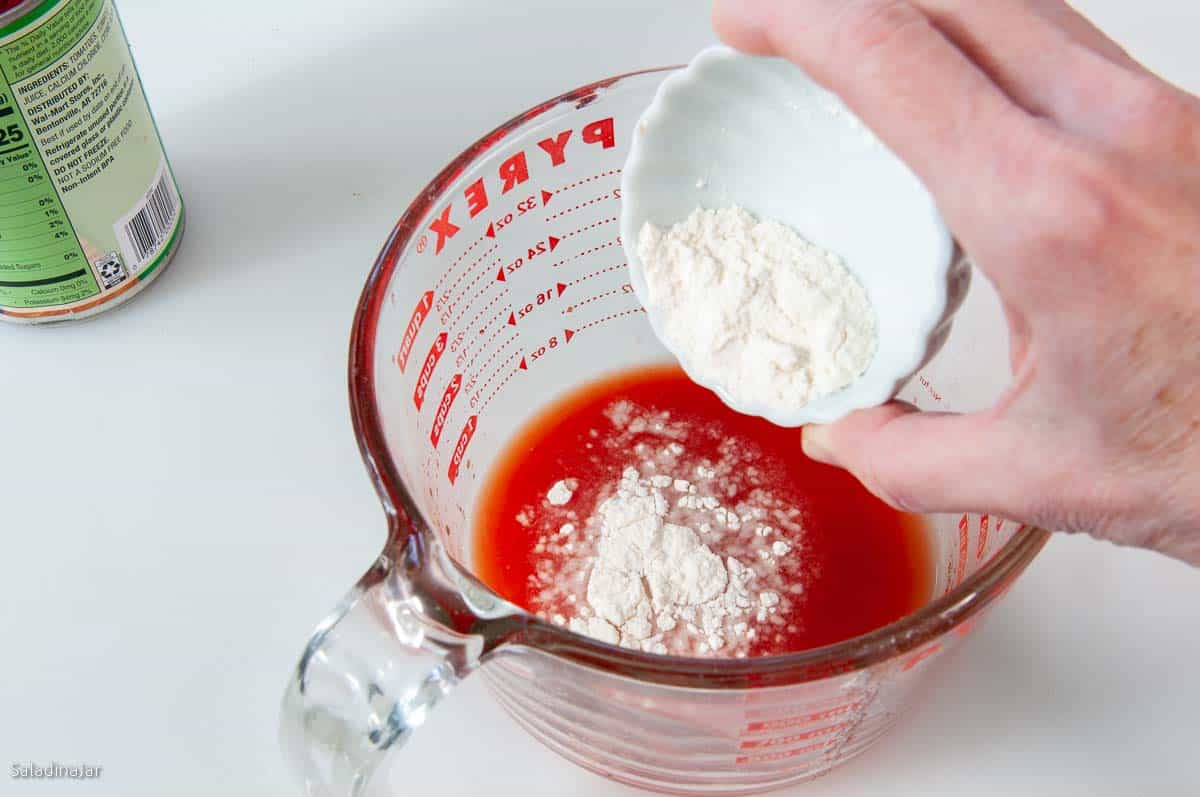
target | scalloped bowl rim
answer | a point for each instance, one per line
(823, 409)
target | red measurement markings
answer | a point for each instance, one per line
(467, 304)
(499, 349)
(460, 448)
(539, 248)
(587, 252)
(466, 253)
(587, 180)
(524, 206)
(474, 264)
(624, 290)
(542, 247)
(443, 410)
(488, 342)
(983, 537)
(424, 305)
(582, 230)
(963, 539)
(608, 318)
(543, 298)
(448, 301)
(766, 706)
(456, 342)
(761, 758)
(598, 273)
(569, 334)
(956, 564)
(784, 723)
(500, 295)
(781, 741)
(431, 361)
(614, 194)
(514, 171)
(477, 396)
(521, 366)
(446, 274)
(936, 396)
(550, 345)
(510, 268)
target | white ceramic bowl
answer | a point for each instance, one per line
(734, 129)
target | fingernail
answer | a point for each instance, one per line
(817, 444)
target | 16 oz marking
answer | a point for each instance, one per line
(542, 298)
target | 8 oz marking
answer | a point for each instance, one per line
(542, 351)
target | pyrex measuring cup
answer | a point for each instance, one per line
(503, 286)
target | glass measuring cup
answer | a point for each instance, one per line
(502, 287)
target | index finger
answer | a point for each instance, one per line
(918, 92)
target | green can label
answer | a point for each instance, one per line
(88, 205)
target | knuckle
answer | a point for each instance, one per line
(1152, 106)
(902, 497)
(1156, 116)
(871, 26)
(1077, 205)
(890, 487)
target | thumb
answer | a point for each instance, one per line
(739, 25)
(926, 462)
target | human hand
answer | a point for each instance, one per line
(1072, 176)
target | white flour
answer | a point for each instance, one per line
(660, 561)
(560, 493)
(651, 576)
(755, 308)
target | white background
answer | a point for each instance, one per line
(181, 497)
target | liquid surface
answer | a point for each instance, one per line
(853, 563)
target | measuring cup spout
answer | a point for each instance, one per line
(409, 631)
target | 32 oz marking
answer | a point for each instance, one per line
(523, 207)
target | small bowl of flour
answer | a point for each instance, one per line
(784, 255)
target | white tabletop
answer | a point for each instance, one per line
(182, 498)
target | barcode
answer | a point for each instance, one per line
(153, 223)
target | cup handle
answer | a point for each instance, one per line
(410, 630)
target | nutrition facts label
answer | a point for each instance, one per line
(38, 248)
(87, 202)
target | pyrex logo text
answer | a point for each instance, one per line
(514, 170)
